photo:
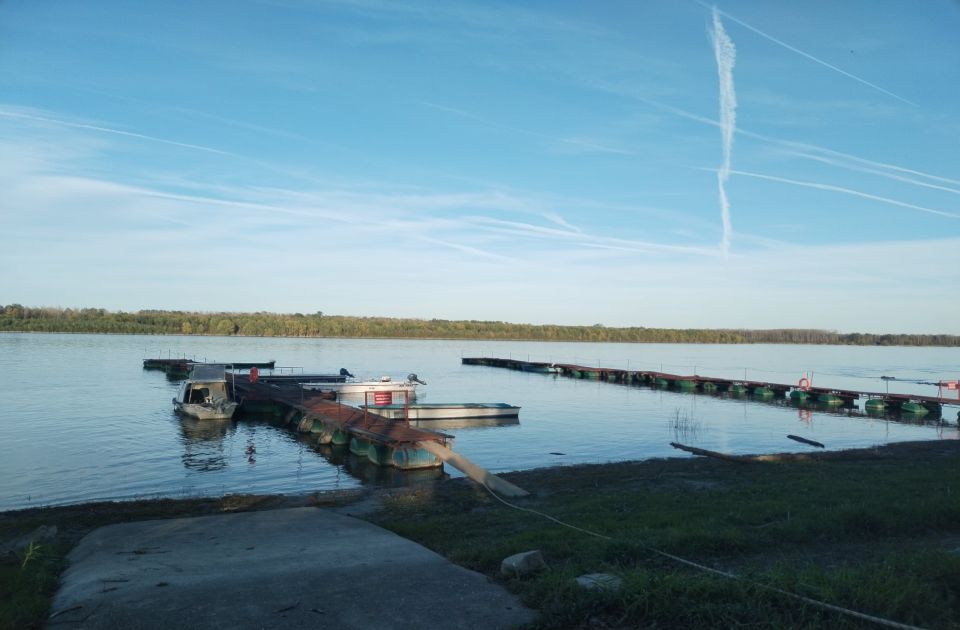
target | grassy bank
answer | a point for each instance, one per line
(876, 531)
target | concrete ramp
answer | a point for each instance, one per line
(292, 568)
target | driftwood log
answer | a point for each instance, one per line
(806, 441)
(706, 453)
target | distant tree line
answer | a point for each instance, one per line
(15, 317)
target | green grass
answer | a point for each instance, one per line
(28, 581)
(873, 535)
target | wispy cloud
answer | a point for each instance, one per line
(726, 55)
(466, 249)
(343, 230)
(556, 218)
(809, 56)
(582, 144)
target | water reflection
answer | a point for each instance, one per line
(339, 457)
(465, 423)
(203, 443)
(361, 468)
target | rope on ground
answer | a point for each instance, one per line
(732, 576)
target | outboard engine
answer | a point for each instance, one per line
(413, 379)
(345, 372)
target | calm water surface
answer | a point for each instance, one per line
(80, 420)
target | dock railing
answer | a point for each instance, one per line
(366, 404)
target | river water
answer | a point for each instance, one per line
(80, 420)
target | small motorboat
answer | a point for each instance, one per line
(383, 384)
(444, 411)
(205, 395)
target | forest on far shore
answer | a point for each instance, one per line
(15, 317)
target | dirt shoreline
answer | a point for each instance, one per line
(86, 513)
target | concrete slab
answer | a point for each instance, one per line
(291, 568)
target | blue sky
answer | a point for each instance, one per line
(543, 162)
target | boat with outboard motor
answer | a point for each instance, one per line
(383, 384)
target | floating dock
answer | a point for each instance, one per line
(182, 366)
(385, 442)
(800, 393)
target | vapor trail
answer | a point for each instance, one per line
(129, 134)
(872, 171)
(726, 55)
(808, 55)
(857, 159)
(848, 191)
(801, 149)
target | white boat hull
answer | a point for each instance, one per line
(362, 387)
(448, 411)
(207, 411)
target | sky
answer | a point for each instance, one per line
(665, 163)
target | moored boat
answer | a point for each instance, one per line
(383, 384)
(205, 395)
(445, 411)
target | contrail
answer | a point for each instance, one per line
(854, 158)
(129, 134)
(807, 55)
(726, 55)
(848, 191)
(580, 238)
(799, 147)
(872, 171)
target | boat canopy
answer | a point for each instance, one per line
(208, 372)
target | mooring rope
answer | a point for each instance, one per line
(732, 576)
